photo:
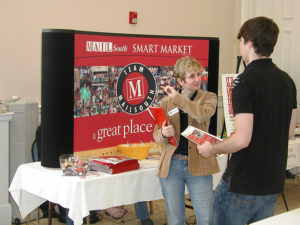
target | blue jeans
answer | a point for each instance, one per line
(69, 221)
(141, 212)
(173, 189)
(230, 208)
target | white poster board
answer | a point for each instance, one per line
(227, 81)
(293, 154)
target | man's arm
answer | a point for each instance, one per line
(293, 123)
(237, 141)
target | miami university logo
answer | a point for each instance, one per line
(136, 88)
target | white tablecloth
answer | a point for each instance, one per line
(33, 184)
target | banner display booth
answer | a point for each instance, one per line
(96, 87)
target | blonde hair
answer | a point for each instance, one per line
(185, 64)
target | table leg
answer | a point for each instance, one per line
(285, 203)
(38, 215)
(28, 219)
(50, 213)
(151, 207)
(88, 220)
(296, 178)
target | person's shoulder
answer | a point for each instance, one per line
(209, 93)
(286, 75)
(245, 75)
(282, 75)
(243, 82)
(238, 80)
(205, 94)
(201, 92)
(290, 81)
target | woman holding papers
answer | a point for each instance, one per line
(182, 165)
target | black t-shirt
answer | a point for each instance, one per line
(270, 95)
(182, 147)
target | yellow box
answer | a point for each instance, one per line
(135, 150)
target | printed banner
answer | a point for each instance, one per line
(117, 77)
(90, 50)
(227, 81)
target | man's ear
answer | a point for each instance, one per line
(250, 43)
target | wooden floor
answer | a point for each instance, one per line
(291, 193)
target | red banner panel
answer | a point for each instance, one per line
(117, 77)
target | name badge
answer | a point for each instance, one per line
(173, 111)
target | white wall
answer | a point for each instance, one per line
(21, 24)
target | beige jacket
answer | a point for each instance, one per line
(199, 111)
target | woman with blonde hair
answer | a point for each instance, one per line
(182, 165)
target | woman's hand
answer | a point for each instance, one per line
(169, 90)
(167, 130)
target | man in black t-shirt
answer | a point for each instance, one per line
(264, 104)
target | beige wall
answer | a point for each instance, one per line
(21, 23)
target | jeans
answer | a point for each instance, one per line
(141, 212)
(173, 189)
(230, 208)
(68, 220)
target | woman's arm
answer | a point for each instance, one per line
(200, 112)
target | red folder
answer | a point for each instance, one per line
(159, 115)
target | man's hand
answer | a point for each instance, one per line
(239, 140)
(206, 149)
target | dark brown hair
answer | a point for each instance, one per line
(263, 32)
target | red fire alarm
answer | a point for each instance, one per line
(133, 17)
